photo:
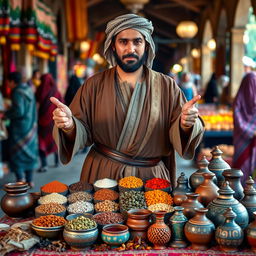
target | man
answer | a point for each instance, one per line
(23, 141)
(132, 115)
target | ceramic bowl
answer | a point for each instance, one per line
(100, 226)
(80, 239)
(84, 186)
(39, 214)
(64, 193)
(96, 188)
(48, 232)
(75, 215)
(124, 189)
(115, 234)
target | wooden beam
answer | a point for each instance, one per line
(166, 19)
(188, 4)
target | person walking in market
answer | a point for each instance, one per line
(133, 117)
(23, 139)
(244, 136)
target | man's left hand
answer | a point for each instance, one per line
(189, 113)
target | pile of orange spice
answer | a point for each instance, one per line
(54, 187)
(158, 196)
(131, 182)
(49, 221)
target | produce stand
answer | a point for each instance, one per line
(166, 252)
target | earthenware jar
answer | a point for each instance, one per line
(138, 222)
(177, 223)
(219, 205)
(159, 234)
(229, 235)
(217, 165)
(251, 233)
(200, 230)
(181, 189)
(207, 191)
(197, 178)
(190, 204)
(17, 202)
(233, 177)
(249, 200)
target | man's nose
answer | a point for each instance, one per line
(130, 47)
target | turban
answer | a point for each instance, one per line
(129, 21)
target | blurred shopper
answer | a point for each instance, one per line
(211, 93)
(34, 82)
(249, 64)
(187, 86)
(47, 145)
(223, 90)
(23, 140)
(132, 115)
(245, 127)
(73, 85)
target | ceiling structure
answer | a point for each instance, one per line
(165, 15)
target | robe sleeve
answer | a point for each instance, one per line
(80, 107)
(184, 144)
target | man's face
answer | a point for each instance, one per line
(129, 50)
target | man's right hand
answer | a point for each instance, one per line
(62, 115)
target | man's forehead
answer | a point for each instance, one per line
(129, 33)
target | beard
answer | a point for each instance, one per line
(130, 66)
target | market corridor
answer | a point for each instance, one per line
(70, 173)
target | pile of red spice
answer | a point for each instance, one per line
(157, 183)
(54, 187)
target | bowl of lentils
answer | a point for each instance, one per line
(80, 207)
(105, 194)
(80, 232)
(50, 209)
(80, 196)
(105, 218)
(53, 198)
(80, 186)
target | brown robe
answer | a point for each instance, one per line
(100, 116)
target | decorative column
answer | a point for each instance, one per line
(237, 53)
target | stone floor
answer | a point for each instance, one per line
(70, 173)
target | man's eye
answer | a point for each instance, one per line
(123, 41)
(137, 41)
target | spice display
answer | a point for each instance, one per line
(106, 194)
(105, 183)
(157, 196)
(161, 207)
(53, 198)
(80, 207)
(106, 206)
(49, 221)
(157, 183)
(81, 223)
(80, 186)
(79, 196)
(50, 208)
(131, 182)
(54, 187)
(108, 218)
(132, 200)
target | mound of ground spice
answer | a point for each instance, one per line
(54, 187)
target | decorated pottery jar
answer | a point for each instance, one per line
(217, 165)
(219, 206)
(229, 235)
(251, 233)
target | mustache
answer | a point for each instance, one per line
(130, 55)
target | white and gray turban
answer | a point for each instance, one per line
(129, 21)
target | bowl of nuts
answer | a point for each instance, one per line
(50, 209)
(49, 226)
(105, 218)
(80, 232)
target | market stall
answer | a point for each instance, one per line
(129, 217)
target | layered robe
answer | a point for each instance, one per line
(141, 123)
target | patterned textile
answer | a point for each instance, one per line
(244, 138)
(127, 21)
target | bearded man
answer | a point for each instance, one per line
(132, 116)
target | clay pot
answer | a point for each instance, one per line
(233, 177)
(200, 230)
(177, 223)
(217, 165)
(159, 234)
(17, 202)
(229, 235)
(207, 191)
(138, 222)
(196, 179)
(190, 204)
(182, 186)
(251, 233)
(249, 200)
(219, 205)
